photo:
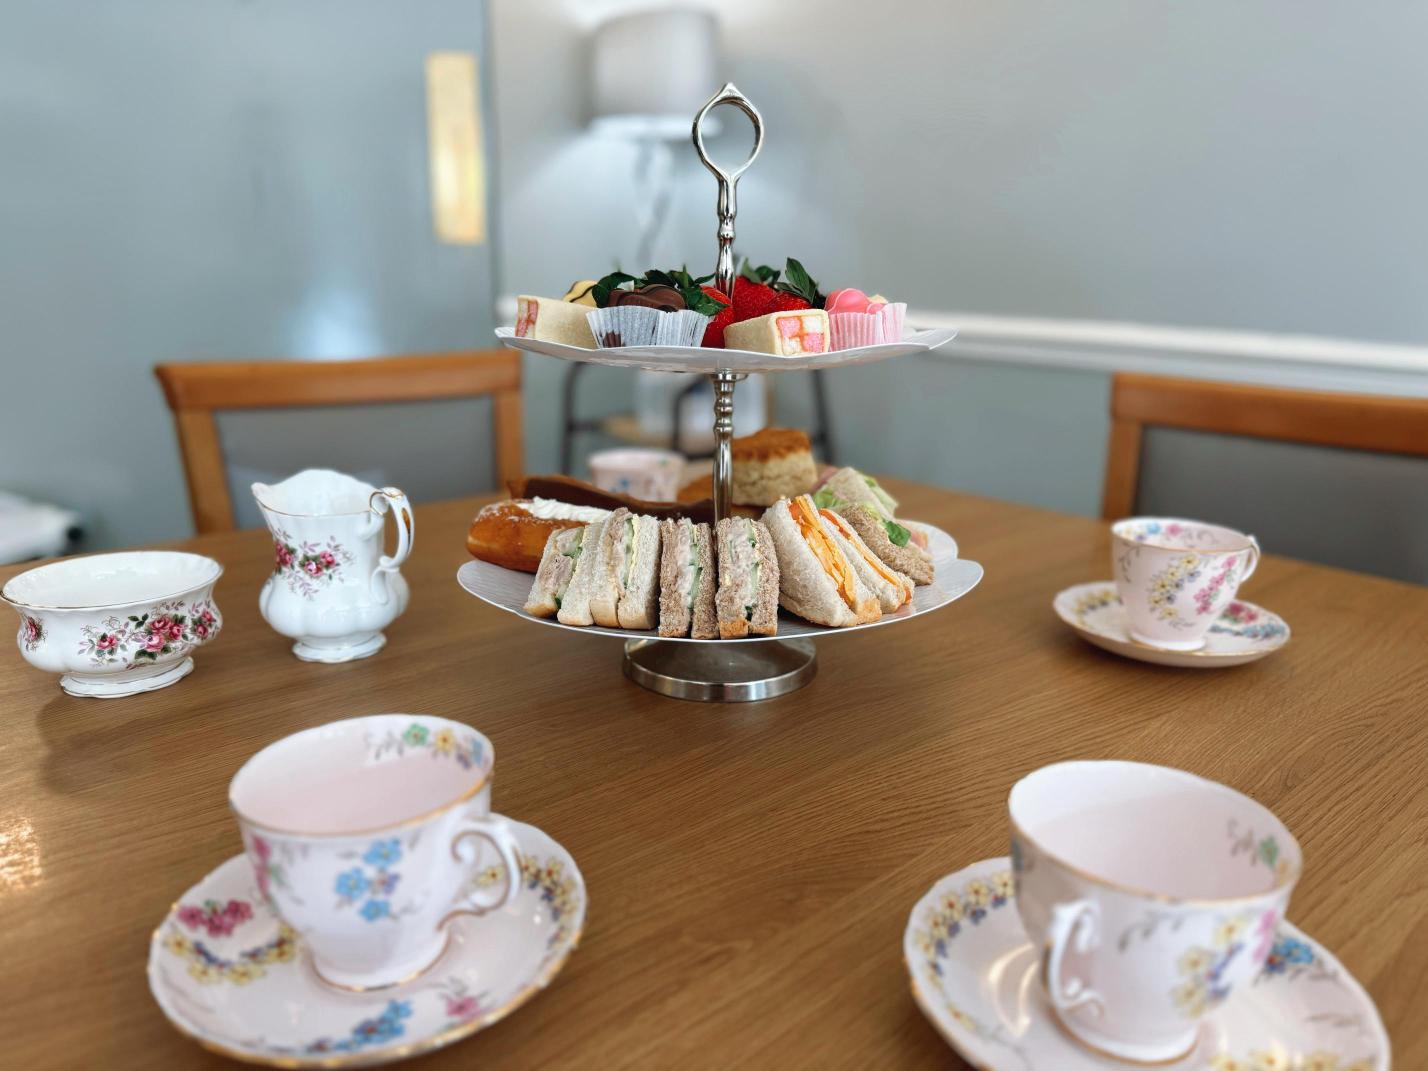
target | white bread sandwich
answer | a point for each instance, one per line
(892, 588)
(907, 558)
(816, 580)
(624, 587)
(687, 580)
(851, 487)
(747, 600)
(562, 584)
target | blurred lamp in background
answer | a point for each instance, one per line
(650, 72)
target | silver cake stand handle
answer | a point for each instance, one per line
(728, 208)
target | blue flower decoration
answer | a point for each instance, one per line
(373, 910)
(351, 884)
(383, 853)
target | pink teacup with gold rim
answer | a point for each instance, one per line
(1154, 893)
(361, 834)
(1175, 576)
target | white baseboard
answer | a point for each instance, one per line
(1304, 361)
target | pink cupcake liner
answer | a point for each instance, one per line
(854, 330)
(893, 315)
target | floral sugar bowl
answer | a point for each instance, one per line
(332, 589)
(116, 624)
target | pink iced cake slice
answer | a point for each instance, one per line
(796, 333)
(553, 320)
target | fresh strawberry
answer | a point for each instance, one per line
(752, 299)
(788, 302)
(714, 331)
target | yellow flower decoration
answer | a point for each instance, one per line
(243, 973)
(1196, 961)
(977, 893)
(492, 875)
(1228, 930)
(1225, 1062)
(1004, 883)
(1361, 1065)
(1190, 997)
(1269, 1060)
(206, 973)
(177, 943)
(444, 742)
(1320, 1061)
(952, 908)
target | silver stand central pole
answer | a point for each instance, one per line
(723, 432)
(723, 671)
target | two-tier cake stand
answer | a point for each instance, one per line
(757, 667)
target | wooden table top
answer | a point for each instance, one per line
(750, 867)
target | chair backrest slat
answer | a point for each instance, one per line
(195, 391)
(1349, 421)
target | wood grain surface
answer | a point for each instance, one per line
(750, 867)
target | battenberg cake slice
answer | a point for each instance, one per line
(795, 333)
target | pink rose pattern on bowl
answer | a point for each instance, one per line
(169, 628)
(32, 633)
(306, 566)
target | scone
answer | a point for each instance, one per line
(772, 464)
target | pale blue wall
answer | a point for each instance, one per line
(219, 179)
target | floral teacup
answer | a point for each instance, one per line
(359, 833)
(1155, 894)
(1175, 577)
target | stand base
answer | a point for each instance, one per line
(718, 672)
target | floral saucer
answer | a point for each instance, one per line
(1243, 633)
(233, 977)
(976, 976)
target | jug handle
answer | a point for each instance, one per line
(382, 500)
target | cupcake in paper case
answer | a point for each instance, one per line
(854, 330)
(634, 325)
(553, 320)
(794, 333)
(857, 320)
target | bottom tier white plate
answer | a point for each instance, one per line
(229, 974)
(977, 977)
(508, 589)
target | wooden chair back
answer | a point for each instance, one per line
(195, 391)
(1351, 421)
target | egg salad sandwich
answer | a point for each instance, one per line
(879, 537)
(817, 581)
(624, 586)
(561, 586)
(746, 603)
(892, 588)
(687, 580)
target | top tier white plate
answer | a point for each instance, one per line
(700, 359)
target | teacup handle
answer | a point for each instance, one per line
(496, 831)
(1075, 925)
(1253, 560)
(382, 500)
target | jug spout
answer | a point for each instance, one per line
(315, 493)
